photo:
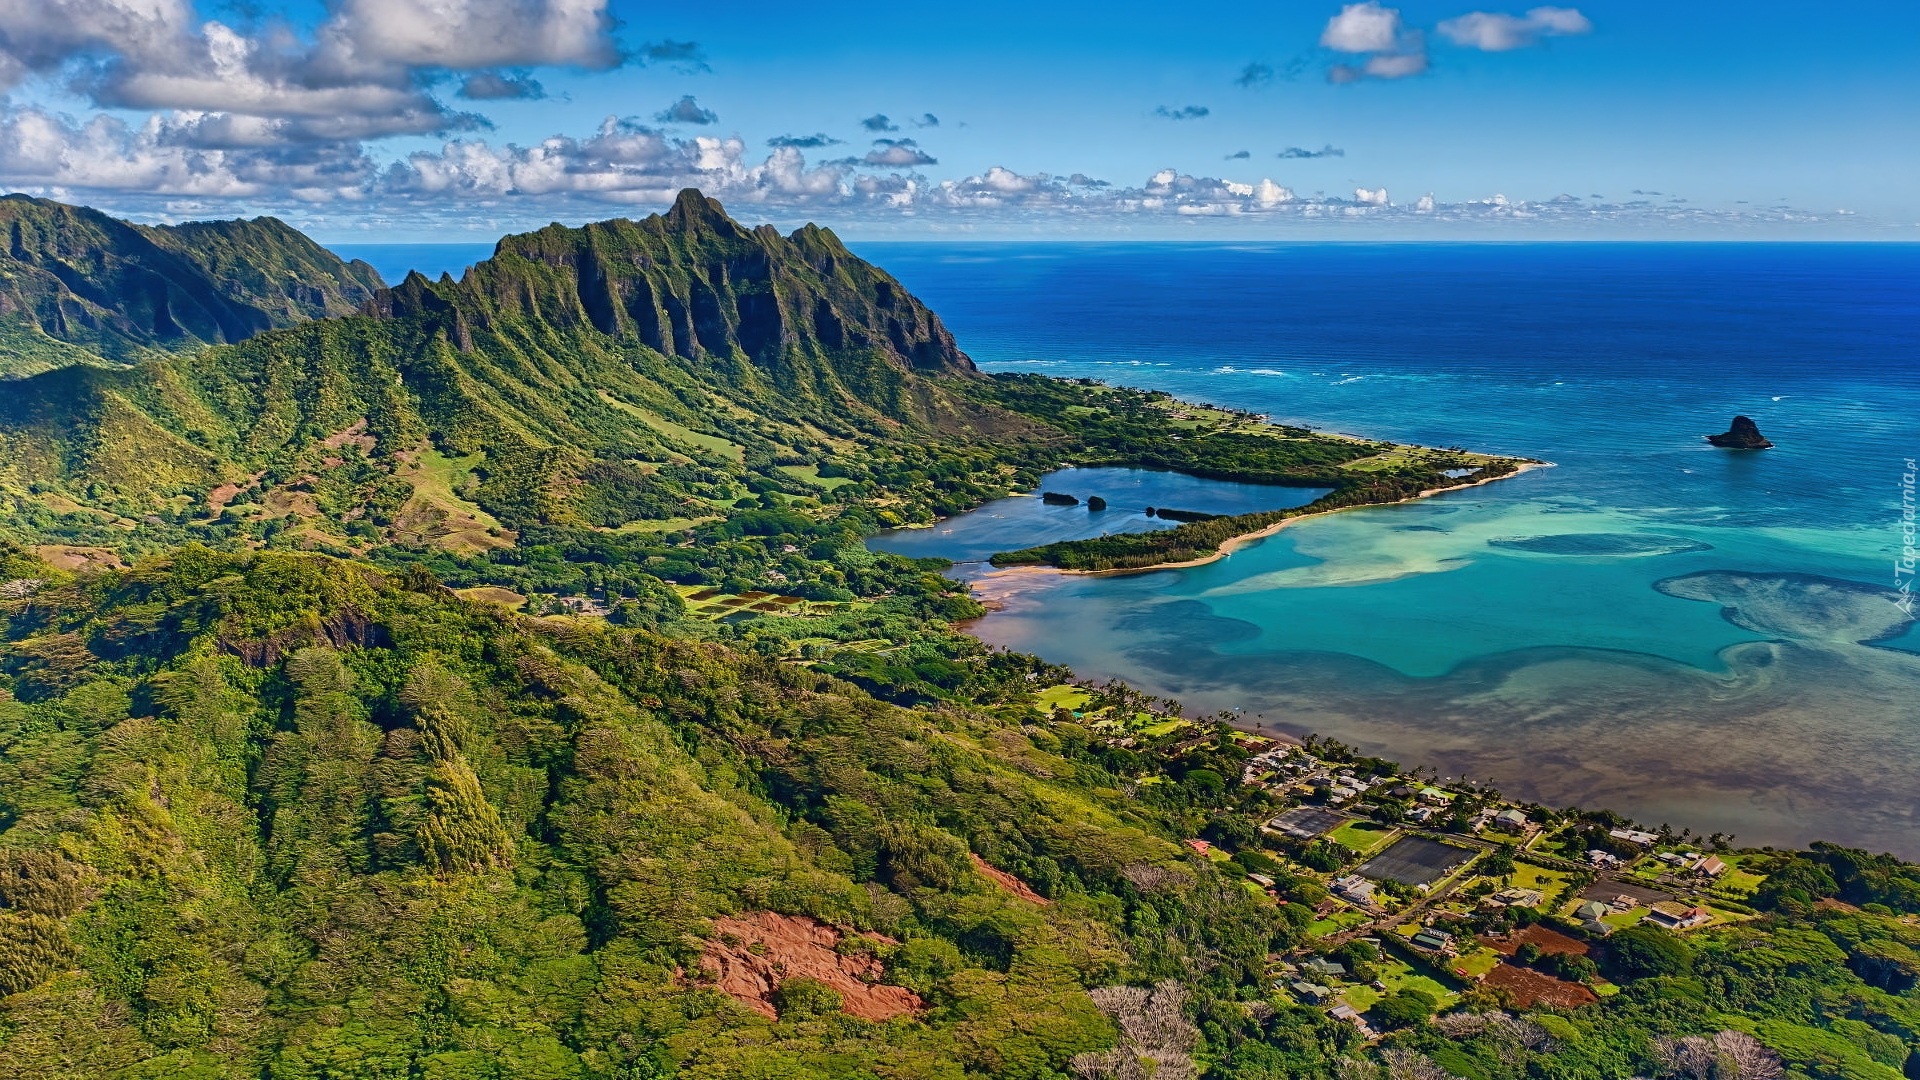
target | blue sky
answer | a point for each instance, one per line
(398, 118)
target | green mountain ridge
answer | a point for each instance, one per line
(575, 364)
(76, 284)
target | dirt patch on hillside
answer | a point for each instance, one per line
(223, 494)
(753, 954)
(493, 594)
(1549, 941)
(1530, 988)
(69, 557)
(355, 435)
(1007, 881)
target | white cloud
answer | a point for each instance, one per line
(463, 35)
(363, 74)
(1494, 32)
(1370, 28)
(161, 158)
(1362, 28)
(210, 165)
(898, 154)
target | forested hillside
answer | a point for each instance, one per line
(78, 285)
(278, 815)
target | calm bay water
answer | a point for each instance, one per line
(1686, 634)
(1027, 521)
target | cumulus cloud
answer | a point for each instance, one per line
(362, 73)
(207, 165)
(466, 34)
(898, 153)
(500, 86)
(804, 142)
(1363, 28)
(1301, 152)
(686, 111)
(1240, 155)
(1369, 28)
(165, 157)
(927, 120)
(1493, 32)
(879, 122)
(1184, 112)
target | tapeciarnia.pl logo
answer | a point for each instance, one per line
(1903, 566)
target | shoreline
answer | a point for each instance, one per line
(1233, 543)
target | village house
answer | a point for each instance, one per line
(1511, 819)
(1679, 916)
(1527, 898)
(1435, 941)
(1355, 888)
(1634, 837)
(1320, 965)
(1312, 993)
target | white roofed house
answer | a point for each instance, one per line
(1512, 819)
(1355, 888)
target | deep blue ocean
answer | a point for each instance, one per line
(1689, 635)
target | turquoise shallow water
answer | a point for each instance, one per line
(1683, 633)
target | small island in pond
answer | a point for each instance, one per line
(1743, 435)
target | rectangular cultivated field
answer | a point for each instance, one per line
(1414, 861)
(1605, 891)
(1307, 822)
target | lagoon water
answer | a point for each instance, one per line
(1027, 521)
(1688, 635)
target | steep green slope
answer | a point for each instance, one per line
(74, 278)
(278, 815)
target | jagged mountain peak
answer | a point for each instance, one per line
(693, 283)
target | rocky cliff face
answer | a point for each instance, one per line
(694, 284)
(75, 282)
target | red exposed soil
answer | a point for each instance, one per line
(1548, 941)
(1530, 988)
(1007, 881)
(773, 948)
(355, 435)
